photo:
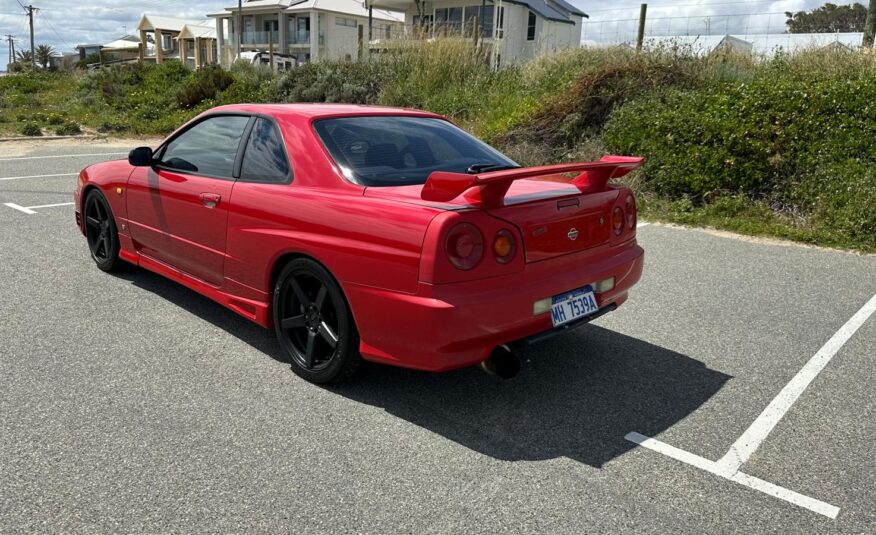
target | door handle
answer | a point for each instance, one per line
(210, 200)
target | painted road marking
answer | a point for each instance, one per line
(741, 450)
(29, 210)
(754, 436)
(19, 208)
(37, 176)
(643, 224)
(61, 156)
(752, 482)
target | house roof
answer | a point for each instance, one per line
(192, 31)
(539, 7)
(161, 22)
(347, 7)
(122, 44)
(570, 8)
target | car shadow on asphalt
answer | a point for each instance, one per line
(577, 395)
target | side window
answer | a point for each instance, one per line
(530, 27)
(208, 148)
(265, 157)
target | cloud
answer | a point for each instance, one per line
(63, 25)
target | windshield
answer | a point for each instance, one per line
(398, 150)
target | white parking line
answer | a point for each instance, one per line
(14, 206)
(61, 156)
(642, 224)
(30, 210)
(37, 176)
(728, 466)
(752, 482)
(754, 436)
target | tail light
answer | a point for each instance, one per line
(464, 246)
(504, 246)
(630, 209)
(617, 220)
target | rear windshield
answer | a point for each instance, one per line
(397, 151)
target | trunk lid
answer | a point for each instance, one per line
(566, 222)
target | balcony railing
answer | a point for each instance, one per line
(265, 38)
(254, 38)
(435, 30)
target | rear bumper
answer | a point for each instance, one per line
(448, 326)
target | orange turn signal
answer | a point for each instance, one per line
(504, 246)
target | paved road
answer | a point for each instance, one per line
(130, 404)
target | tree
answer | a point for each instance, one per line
(23, 57)
(829, 18)
(44, 55)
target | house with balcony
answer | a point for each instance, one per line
(306, 30)
(512, 31)
(170, 38)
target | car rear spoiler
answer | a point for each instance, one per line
(444, 186)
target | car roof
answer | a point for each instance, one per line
(320, 110)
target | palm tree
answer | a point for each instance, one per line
(44, 55)
(24, 56)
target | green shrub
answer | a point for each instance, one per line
(68, 128)
(31, 129)
(203, 85)
(54, 119)
(329, 81)
(756, 138)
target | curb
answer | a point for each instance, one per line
(87, 137)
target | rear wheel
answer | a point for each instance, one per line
(100, 231)
(314, 324)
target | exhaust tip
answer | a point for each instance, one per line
(502, 363)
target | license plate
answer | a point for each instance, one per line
(573, 305)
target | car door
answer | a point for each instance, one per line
(178, 208)
(262, 188)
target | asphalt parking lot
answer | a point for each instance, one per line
(733, 393)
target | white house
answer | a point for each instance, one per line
(160, 39)
(514, 30)
(307, 30)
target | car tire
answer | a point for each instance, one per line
(100, 231)
(313, 323)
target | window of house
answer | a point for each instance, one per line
(207, 148)
(264, 159)
(344, 21)
(469, 15)
(530, 27)
(500, 22)
(449, 18)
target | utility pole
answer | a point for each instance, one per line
(640, 38)
(30, 9)
(870, 25)
(239, 27)
(11, 41)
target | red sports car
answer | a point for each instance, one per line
(364, 232)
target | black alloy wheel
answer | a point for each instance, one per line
(100, 231)
(314, 324)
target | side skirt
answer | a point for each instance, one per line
(255, 311)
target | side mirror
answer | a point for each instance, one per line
(140, 157)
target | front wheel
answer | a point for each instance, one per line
(314, 324)
(101, 232)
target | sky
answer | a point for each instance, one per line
(64, 24)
